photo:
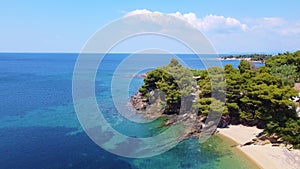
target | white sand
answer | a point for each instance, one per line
(266, 156)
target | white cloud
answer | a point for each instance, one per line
(140, 11)
(250, 35)
(221, 24)
(214, 23)
(209, 23)
(276, 25)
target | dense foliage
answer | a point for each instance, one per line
(172, 84)
(255, 97)
(286, 66)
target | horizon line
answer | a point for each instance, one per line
(177, 53)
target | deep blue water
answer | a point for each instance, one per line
(39, 127)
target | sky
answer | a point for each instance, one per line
(232, 26)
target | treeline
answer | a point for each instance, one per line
(253, 97)
(252, 57)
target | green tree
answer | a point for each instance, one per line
(282, 64)
(244, 66)
(287, 73)
(177, 84)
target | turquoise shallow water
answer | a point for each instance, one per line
(39, 127)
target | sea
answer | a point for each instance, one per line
(39, 128)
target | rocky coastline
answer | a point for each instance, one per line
(194, 123)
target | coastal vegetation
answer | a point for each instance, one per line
(252, 57)
(254, 96)
(286, 66)
(172, 84)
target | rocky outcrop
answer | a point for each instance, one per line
(138, 102)
(224, 121)
(192, 122)
(264, 139)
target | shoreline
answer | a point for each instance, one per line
(248, 59)
(265, 156)
(235, 149)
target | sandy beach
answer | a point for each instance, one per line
(266, 156)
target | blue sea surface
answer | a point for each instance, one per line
(39, 127)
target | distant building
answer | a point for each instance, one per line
(297, 99)
(297, 87)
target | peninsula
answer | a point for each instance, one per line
(263, 98)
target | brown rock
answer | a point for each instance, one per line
(263, 137)
(266, 142)
(249, 143)
(280, 140)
